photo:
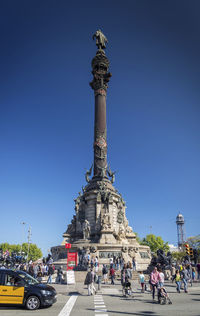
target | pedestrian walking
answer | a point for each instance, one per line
(173, 273)
(129, 270)
(50, 273)
(121, 262)
(45, 269)
(88, 259)
(154, 279)
(189, 269)
(59, 275)
(112, 275)
(198, 270)
(178, 281)
(141, 278)
(89, 281)
(161, 278)
(185, 276)
(105, 273)
(96, 264)
(92, 262)
(114, 262)
(35, 271)
(124, 275)
(193, 274)
(117, 263)
(30, 270)
(134, 264)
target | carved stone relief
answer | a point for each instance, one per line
(120, 217)
(105, 221)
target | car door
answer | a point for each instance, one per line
(11, 293)
(1, 286)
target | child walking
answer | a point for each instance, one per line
(141, 276)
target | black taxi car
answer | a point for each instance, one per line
(18, 287)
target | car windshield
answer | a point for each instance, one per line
(28, 279)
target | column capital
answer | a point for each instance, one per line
(101, 76)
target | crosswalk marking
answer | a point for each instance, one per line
(68, 306)
(99, 305)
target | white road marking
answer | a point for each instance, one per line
(68, 306)
(112, 291)
(99, 306)
(98, 300)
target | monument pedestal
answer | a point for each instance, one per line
(104, 252)
(107, 237)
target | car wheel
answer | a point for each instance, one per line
(33, 302)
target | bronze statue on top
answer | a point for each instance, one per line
(101, 40)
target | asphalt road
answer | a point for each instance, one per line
(109, 302)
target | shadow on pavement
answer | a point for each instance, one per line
(150, 302)
(74, 293)
(196, 299)
(193, 294)
(141, 313)
(6, 307)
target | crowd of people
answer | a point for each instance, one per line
(181, 274)
(39, 270)
(108, 272)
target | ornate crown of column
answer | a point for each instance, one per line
(100, 66)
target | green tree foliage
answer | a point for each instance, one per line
(138, 238)
(194, 242)
(155, 243)
(34, 252)
(178, 256)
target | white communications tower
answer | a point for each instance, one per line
(180, 229)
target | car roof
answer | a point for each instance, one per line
(10, 270)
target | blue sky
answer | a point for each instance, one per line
(47, 113)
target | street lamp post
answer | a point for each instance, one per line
(23, 225)
(29, 241)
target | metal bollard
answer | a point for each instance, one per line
(99, 282)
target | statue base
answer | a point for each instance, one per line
(104, 251)
(100, 216)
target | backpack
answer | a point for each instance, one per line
(105, 270)
(88, 279)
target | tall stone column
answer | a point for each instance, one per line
(101, 77)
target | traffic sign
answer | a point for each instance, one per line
(68, 246)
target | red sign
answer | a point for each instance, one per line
(68, 246)
(71, 260)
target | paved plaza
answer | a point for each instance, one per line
(73, 300)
